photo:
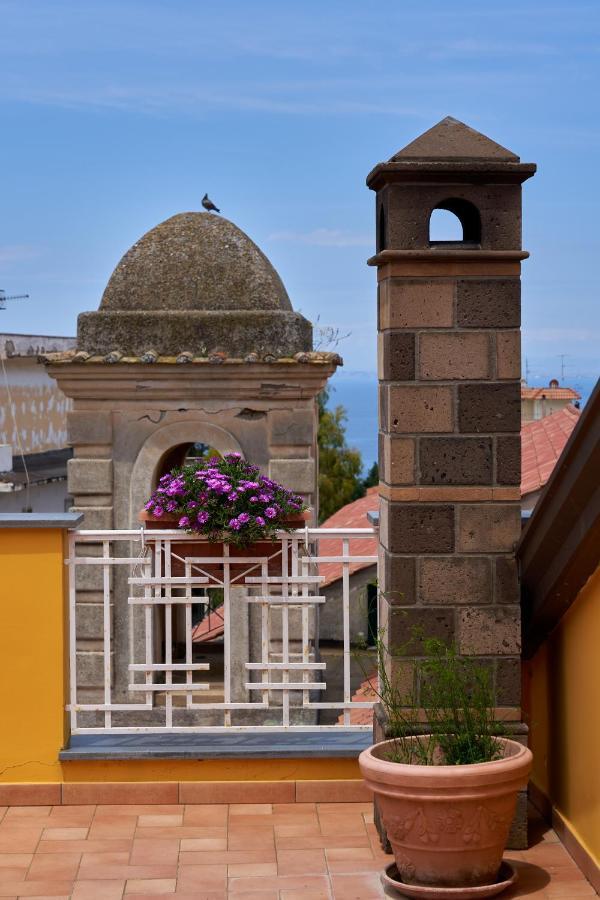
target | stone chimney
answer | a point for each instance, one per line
(449, 392)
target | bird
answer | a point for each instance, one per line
(208, 204)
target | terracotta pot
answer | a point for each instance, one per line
(447, 825)
(201, 546)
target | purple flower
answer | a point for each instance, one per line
(234, 524)
(254, 499)
(157, 512)
(203, 517)
(260, 521)
(265, 497)
(171, 506)
(192, 504)
(232, 496)
(233, 456)
(184, 522)
(270, 512)
(149, 504)
(243, 518)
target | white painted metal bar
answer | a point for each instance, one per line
(289, 665)
(174, 667)
(346, 627)
(72, 630)
(106, 631)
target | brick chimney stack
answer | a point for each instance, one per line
(449, 396)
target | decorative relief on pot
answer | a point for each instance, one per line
(451, 821)
(404, 866)
(484, 818)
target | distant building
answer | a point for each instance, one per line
(536, 403)
(542, 442)
(33, 426)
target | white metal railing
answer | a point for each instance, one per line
(149, 583)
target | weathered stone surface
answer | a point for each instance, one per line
(396, 356)
(419, 527)
(294, 426)
(488, 408)
(454, 356)
(399, 625)
(488, 527)
(90, 669)
(90, 476)
(411, 409)
(490, 630)
(89, 621)
(415, 304)
(508, 354)
(517, 836)
(397, 459)
(294, 474)
(508, 460)
(95, 517)
(455, 460)
(508, 682)
(195, 261)
(397, 578)
(280, 333)
(455, 580)
(489, 303)
(87, 427)
(506, 589)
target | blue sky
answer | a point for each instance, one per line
(116, 115)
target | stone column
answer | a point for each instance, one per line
(449, 369)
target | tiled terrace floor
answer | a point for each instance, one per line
(302, 851)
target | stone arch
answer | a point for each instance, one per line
(468, 216)
(163, 440)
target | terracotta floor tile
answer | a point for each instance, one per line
(147, 851)
(10, 860)
(357, 887)
(86, 846)
(209, 814)
(297, 830)
(121, 827)
(549, 854)
(340, 809)
(228, 857)
(202, 878)
(182, 831)
(36, 888)
(57, 866)
(204, 844)
(19, 840)
(256, 868)
(150, 886)
(251, 809)
(315, 841)
(157, 820)
(13, 873)
(354, 865)
(250, 840)
(342, 853)
(323, 894)
(116, 871)
(138, 809)
(25, 812)
(258, 883)
(299, 862)
(106, 858)
(98, 890)
(64, 834)
(72, 815)
(279, 808)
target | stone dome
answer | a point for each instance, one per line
(195, 261)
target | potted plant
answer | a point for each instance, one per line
(446, 783)
(224, 500)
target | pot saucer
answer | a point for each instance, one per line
(395, 887)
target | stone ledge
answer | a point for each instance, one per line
(40, 520)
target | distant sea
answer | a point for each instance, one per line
(357, 392)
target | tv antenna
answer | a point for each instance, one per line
(562, 357)
(4, 298)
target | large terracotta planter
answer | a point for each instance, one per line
(447, 825)
(201, 546)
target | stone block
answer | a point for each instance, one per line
(95, 518)
(292, 427)
(396, 356)
(87, 427)
(456, 580)
(89, 621)
(489, 527)
(506, 578)
(508, 682)
(508, 460)
(454, 355)
(413, 409)
(508, 354)
(396, 459)
(415, 304)
(397, 578)
(90, 669)
(399, 626)
(295, 474)
(517, 836)
(489, 630)
(90, 476)
(451, 460)
(488, 303)
(419, 527)
(489, 408)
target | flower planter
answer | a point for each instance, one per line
(447, 825)
(201, 546)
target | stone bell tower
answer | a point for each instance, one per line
(449, 367)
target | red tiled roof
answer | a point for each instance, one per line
(353, 515)
(551, 392)
(211, 627)
(542, 442)
(367, 691)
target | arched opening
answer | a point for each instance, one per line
(455, 221)
(181, 455)
(381, 230)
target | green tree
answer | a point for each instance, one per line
(340, 466)
(372, 477)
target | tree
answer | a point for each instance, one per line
(372, 477)
(339, 465)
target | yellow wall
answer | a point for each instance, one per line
(32, 653)
(34, 686)
(563, 699)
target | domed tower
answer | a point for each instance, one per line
(195, 345)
